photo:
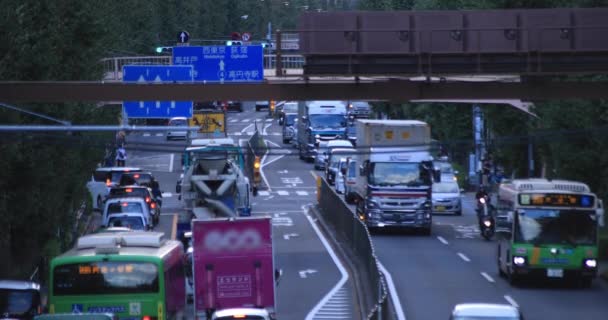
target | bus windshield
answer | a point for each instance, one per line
(395, 173)
(105, 277)
(550, 226)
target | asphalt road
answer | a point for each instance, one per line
(455, 265)
(309, 272)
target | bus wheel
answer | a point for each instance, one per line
(500, 272)
(513, 279)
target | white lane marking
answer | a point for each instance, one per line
(292, 180)
(287, 236)
(265, 128)
(159, 134)
(264, 163)
(269, 197)
(268, 120)
(245, 120)
(146, 134)
(171, 162)
(304, 273)
(233, 120)
(167, 194)
(237, 133)
(332, 254)
(463, 257)
(277, 134)
(487, 276)
(249, 133)
(440, 238)
(283, 193)
(511, 301)
(393, 292)
(302, 193)
(247, 127)
(282, 222)
(263, 193)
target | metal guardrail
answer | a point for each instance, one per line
(112, 67)
(352, 233)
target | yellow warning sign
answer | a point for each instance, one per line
(209, 122)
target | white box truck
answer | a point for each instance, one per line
(395, 176)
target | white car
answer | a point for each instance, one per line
(102, 180)
(482, 311)
(129, 220)
(126, 205)
(178, 122)
(446, 197)
(241, 313)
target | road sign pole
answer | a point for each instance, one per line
(279, 59)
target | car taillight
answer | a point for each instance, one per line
(148, 318)
(239, 316)
(124, 204)
(108, 182)
(136, 176)
(129, 190)
(153, 205)
(147, 199)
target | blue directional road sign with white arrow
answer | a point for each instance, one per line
(157, 75)
(222, 63)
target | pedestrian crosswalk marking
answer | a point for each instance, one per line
(263, 193)
(268, 120)
(302, 193)
(245, 120)
(283, 193)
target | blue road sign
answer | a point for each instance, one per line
(157, 74)
(223, 63)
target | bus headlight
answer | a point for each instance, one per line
(519, 261)
(590, 263)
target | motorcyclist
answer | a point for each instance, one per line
(156, 193)
(482, 194)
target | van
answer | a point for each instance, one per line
(102, 180)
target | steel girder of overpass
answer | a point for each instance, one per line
(390, 90)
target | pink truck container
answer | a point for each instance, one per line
(233, 265)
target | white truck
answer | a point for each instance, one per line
(395, 175)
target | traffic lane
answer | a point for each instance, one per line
(308, 271)
(538, 299)
(429, 277)
(283, 169)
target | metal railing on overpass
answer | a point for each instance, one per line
(292, 64)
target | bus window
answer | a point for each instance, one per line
(107, 277)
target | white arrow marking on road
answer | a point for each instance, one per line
(304, 273)
(283, 171)
(287, 236)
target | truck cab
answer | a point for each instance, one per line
(319, 121)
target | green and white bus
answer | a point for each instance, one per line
(133, 275)
(549, 229)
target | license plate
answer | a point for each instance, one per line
(440, 208)
(555, 273)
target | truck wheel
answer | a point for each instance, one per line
(285, 141)
(257, 108)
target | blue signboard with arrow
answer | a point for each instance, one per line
(222, 63)
(157, 74)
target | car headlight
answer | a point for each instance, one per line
(590, 263)
(519, 261)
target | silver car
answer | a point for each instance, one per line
(446, 198)
(178, 122)
(321, 155)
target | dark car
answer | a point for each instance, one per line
(232, 106)
(359, 109)
(139, 178)
(259, 105)
(207, 105)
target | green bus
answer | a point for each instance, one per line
(133, 275)
(547, 229)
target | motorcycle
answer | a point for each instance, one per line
(486, 218)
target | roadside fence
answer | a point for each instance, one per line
(355, 238)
